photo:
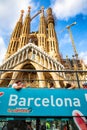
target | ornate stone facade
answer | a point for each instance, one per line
(33, 51)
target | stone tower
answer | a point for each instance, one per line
(33, 51)
(42, 33)
(14, 40)
(52, 38)
(25, 30)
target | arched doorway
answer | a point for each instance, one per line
(29, 78)
(49, 79)
(5, 79)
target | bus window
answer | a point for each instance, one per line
(38, 124)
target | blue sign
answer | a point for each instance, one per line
(42, 102)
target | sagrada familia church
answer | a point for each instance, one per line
(35, 51)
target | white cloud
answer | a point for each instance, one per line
(83, 56)
(64, 9)
(10, 11)
(9, 15)
(2, 49)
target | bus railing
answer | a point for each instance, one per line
(78, 77)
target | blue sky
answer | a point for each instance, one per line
(65, 12)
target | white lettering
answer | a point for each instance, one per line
(68, 102)
(76, 102)
(36, 102)
(13, 100)
(86, 97)
(45, 102)
(59, 102)
(22, 102)
(29, 101)
(52, 101)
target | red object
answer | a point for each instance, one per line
(80, 120)
(85, 87)
(1, 93)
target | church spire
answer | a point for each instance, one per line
(29, 9)
(42, 31)
(24, 38)
(52, 38)
(42, 11)
(14, 40)
(21, 16)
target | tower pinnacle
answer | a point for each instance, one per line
(25, 30)
(14, 40)
(52, 38)
(21, 16)
(29, 8)
(42, 10)
(42, 31)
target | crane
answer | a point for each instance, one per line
(36, 14)
(71, 37)
(40, 11)
(75, 51)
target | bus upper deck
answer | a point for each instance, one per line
(58, 107)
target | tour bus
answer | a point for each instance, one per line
(43, 109)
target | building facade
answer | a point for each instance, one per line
(34, 51)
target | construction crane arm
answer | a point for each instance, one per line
(36, 15)
(71, 37)
(74, 23)
(72, 41)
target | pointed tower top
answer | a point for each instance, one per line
(49, 11)
(42, 11)
(50, 18)
(29, 8)
(22, 11)
(21, 16)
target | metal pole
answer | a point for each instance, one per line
(77, 79)
(72, 41)
(75, 68)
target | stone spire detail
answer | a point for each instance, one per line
(42, 31)
(52, 38)
(24, 38)
(21, 16)
(14, 40)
